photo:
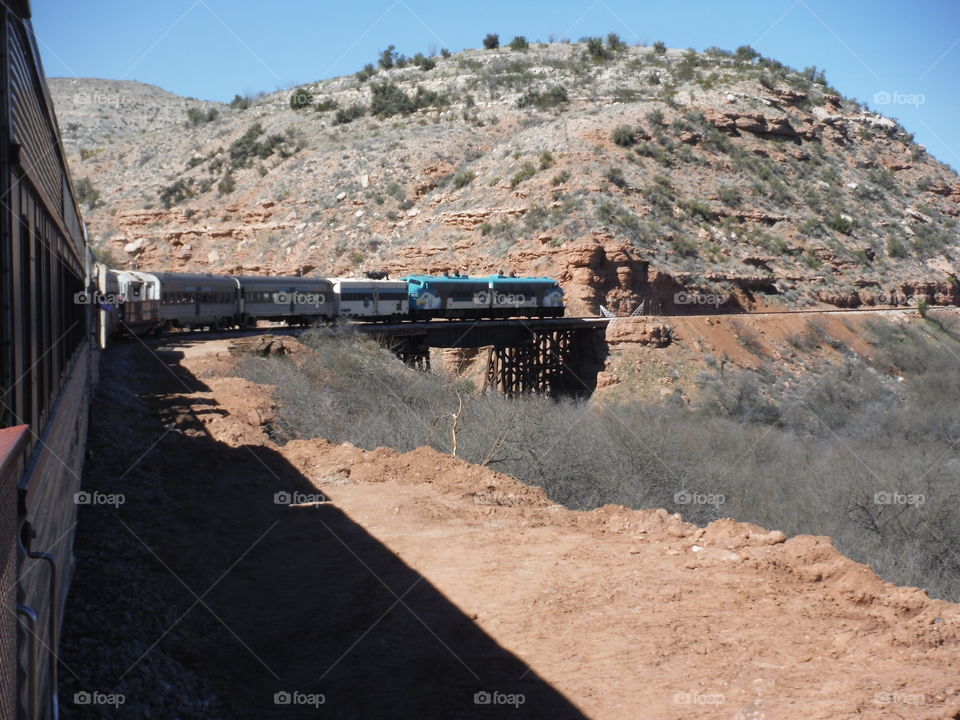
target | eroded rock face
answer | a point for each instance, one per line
(638, 330)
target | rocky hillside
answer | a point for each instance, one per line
(630, 173)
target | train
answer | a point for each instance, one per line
(140, 302)
(48, 371)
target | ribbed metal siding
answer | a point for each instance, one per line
(8, 595)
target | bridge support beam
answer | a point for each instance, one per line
(551, 362)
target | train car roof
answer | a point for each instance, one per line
(281, 278)
(535, 280)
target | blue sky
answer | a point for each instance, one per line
(906, 53)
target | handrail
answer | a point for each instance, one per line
(33, 673)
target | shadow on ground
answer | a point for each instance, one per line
(200, 595)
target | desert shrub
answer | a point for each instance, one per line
(367, 72)
(656, 117)
(388, 99)
(615, 43)
(326, 105)
(519, 44)
(623, 135)
(348, 114)
(556, 95)
(197, 116)
(560, 178)
(614, 175)
(491, 41)
(659, 47)
(87, 194)
(175, 193)
(546, 160)
(390, 58)
(829, 453)
(228, 184)
(840, 223)
(241, 102)
(463, 179)
(444, 53)
(300, 99)
(526, 171)
(595, 48)
(423, 62)
(745, 53)
(729, 195)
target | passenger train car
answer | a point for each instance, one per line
(136, 302)
(371, 299)
(48, 366)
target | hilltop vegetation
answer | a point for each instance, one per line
(724, 171)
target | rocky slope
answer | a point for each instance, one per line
(629, 174)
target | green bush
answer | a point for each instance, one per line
(347, 115)
(745, 53)
(423, 62)
(615, 176)
(228, 184)
(300, 99)
(491, 41)
(615, 43)
(176, 193)
(519, 44)
(840, 223)
(659, 48)
(240, 102)
(560, 178)
(546, 160)
(326, 105)
(367, 72)
(557, 95)
(444, 53)
(595, 48)
(525, 172)
(87, 194)
(463, 179)
(623, 135)
(197, 117)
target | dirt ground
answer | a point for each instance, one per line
(402, 585)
